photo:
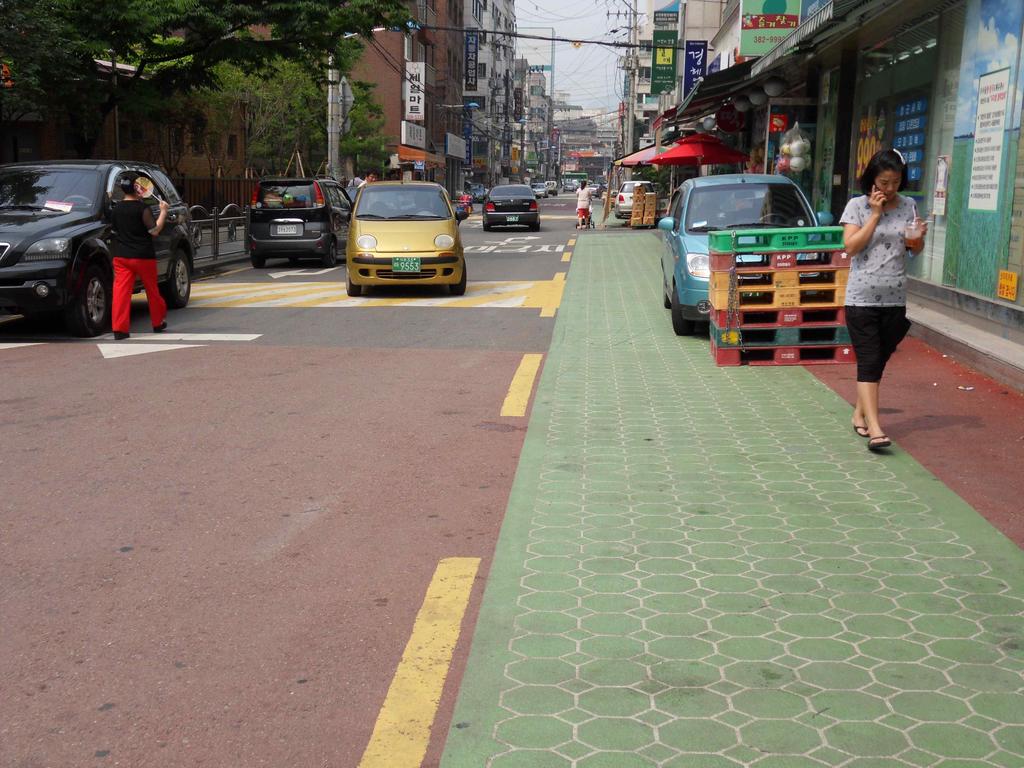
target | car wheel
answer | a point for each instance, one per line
(257, 261)
(459, 288)
(330, 258)
(178, 287)
(680, 324)
(88, 314)
(487, 227)
(535, 227)
(353, 289)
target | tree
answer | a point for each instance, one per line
(173, 47)
(363, 144)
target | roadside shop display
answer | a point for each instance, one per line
(794, 152)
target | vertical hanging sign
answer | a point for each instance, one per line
(472, 46)
(415, 71)
(694, 64)
(663, 63)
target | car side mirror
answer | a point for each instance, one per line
(825, 218)
(666, 223)
(461, 214)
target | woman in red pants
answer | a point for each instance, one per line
(135, 257)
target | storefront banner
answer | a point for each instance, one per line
(761, 31)
(470, 57)
(414, 135)
(455, 146)
(871, 132)
(415, 72)
(911, 119)
(663, 63)
(987, 161)
(694, 64)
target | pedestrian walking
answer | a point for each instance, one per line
(881, 230)
(135, 257)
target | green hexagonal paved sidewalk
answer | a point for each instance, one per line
(704, 567)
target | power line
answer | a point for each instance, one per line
(546, 38)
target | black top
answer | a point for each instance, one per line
(132, 220)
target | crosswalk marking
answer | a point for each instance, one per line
(128, 350)
(11, 345)
(544, 295)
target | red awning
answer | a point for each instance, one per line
(699, 149)
(412, 154)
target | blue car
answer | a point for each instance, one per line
(709, 203)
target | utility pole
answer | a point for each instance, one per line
(680, 48)
(333, 118)
(631, 70)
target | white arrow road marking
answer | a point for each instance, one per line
(516, 239)
(12, 345)
(124, 350)
(300, 272)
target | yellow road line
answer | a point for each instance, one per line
(402, 732)
(572, 242)
(567, 255)
(518, 397)
(552, 294)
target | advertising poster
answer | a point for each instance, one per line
(872, 131)
(941, 185)
(765, 23)
(663, 62)
(987, 162)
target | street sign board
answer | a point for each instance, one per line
(694, 64)
(472, 47)
(761, 31)
(663, 63)
(415, 73)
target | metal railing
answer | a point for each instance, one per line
(217, 235)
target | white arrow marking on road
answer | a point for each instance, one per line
(195, 336)
(508, 240)
(12, 345)
(301, 272)
(123, 350)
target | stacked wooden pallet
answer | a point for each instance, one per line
(777, 296)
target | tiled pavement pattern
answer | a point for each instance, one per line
(704, 567)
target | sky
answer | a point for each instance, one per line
(590, 73)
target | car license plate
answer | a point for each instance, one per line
(511, 219)
(405, 264)
(287, 229)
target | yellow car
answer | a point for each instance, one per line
(405, 233)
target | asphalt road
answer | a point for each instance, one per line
(215, 542)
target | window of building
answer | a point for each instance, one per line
(481, 70)
(536, 90)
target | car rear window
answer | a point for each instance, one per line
(54, 189)
(629, 186)
(285, 195)
(746, 206)
(402, 202)
(511, 190)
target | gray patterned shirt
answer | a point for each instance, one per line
(878, 274)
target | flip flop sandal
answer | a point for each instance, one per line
(877, 443)
(862, 431)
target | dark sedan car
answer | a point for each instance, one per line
(297, 218)
(55, 234)
(511, 205)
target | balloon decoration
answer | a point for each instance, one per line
(794, 152)
(741, 103)
(708, 123)
(757, 97)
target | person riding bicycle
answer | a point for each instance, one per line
(584, 197)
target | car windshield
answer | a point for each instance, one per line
(286, 195)
(746, 206)
(394, 203)
(512, 190)
(49, 189)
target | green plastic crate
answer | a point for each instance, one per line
(776, 240)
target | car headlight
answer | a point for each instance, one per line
(698, 264)
(366, 242)
(444, 241)
(51, 249)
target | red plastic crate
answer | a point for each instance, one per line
(724, 262)
(810, 355)
(776, 318)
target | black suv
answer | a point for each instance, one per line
(298, 217)
(55, 237)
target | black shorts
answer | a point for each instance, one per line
(875, 333)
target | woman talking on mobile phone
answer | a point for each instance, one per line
(881, 229)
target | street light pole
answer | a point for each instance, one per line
(333, 119)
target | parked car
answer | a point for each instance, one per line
(710, 203)
(540, 189)
(511, 205)
(552, 188)
(479, 192)
(405, 233)
(296, 218)
(624, 198)
(55, 235)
